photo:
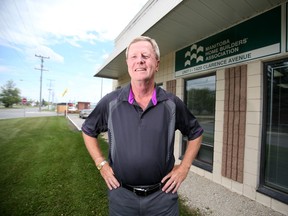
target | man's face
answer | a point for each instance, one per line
(141, 61)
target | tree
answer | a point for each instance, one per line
(44, 103)
(201, 100)
(10, 94)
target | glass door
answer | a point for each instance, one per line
(275, 133)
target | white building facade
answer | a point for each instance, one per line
(228, 61)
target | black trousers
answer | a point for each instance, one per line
(123, 202)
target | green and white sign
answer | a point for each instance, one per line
(252, 39)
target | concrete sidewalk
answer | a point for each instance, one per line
(74, 119)
(215, 200)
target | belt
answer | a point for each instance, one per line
(143, 190)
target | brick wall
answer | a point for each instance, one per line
(171, 86)
(234, 122)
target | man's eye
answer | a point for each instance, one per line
(145, 56)
(133, 57)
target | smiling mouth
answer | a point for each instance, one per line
(140, 69)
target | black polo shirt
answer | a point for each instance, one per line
(141, 141)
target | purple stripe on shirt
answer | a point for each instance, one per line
(131, 97)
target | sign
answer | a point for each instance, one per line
(257, 37)
(24, 100)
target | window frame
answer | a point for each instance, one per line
(262, 187)
(196, 162)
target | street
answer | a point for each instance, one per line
(34, 112)
(7, 113)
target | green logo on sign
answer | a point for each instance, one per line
(194, 54)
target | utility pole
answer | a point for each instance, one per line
(41, 69)
(50, 89)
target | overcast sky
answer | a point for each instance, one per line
(76, 35)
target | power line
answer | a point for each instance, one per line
(41, 69)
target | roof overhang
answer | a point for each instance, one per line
(185, 22)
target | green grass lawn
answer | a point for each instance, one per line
(46, 170)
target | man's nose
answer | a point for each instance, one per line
(141, 59)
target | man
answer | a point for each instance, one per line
(141, 120)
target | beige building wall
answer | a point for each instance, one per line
(252, 139)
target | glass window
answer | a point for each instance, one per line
(160, 85)
(275, 133)
(200, 99)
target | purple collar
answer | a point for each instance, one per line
(131, 97)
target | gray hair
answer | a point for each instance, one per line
(150, 40)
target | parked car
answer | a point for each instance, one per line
(72, 109)
(85, 113)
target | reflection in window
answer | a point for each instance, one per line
(200, 99)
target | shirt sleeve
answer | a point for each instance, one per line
(97, 121)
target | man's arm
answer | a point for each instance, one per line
(95, 152)
(180, 172)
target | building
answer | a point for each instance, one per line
(61, 108)
(228, 61)
(83, 105)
